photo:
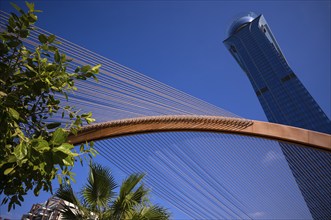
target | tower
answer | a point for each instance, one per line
(284, 100)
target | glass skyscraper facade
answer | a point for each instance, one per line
(284, 100)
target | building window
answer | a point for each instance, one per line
(288, 77)
(261, 91)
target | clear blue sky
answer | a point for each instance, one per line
(180, 43)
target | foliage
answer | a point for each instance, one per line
(99, 201)
(33, 147)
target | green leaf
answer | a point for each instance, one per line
(51, 48)
(57, 56)
(42, 38)
(41, 145)
(74, 131)
(21, 151)
(68, 161)
(89, 120)
(51, 38)
(30, 68)
(12, 23)
(30, 6)
(53, 125)
(86, 115)
(10, 205)
(64, 148)
(16, 7)
(13, 113)
(17, 72)
(14, 43)
(33, 18)
(21, 198)
(37, 189)
(24, 33)
(8, 170)
(11, 159)
(96, 68)
(63, 58)
(2, 94)
(21, 162)
(59, 179)
(59, 136)
(86, 68)
(93, 152)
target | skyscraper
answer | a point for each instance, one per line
(284, 100)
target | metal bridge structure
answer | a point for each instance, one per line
(205, 161)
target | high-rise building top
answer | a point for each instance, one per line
(241, 22)
(284, 100)
(283, 97)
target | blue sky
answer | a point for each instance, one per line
(180, 43)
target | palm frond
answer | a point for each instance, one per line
(154, 212)
(99, 190)
(72, 213)
(140, 194)
(97, 195)
(130, 183)
(66, 193)
(71, 207)
(131, 195)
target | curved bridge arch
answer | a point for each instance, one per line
(202, 123)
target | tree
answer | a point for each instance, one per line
(33, 149)
(98, 199)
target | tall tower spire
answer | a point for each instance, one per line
(283, 97)
(284, 100)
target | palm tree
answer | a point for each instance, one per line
(100, 202)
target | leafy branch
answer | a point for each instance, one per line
(33, 147)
